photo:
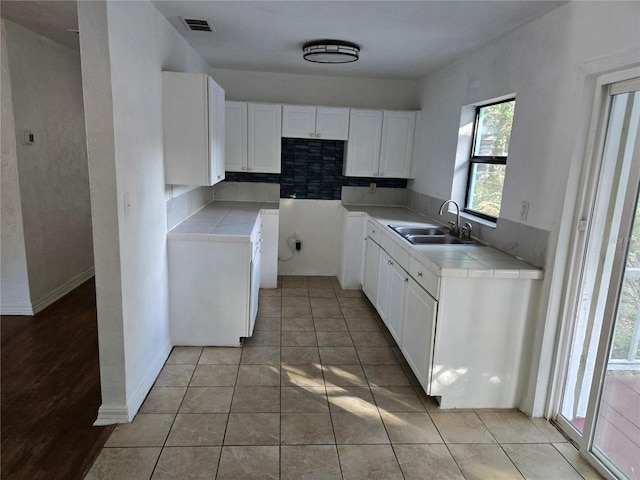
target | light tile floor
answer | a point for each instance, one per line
(320, 391)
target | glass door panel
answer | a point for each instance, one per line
(603, 239)
(617, 426)
(600, 405)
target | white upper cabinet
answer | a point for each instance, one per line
(235, 140)
(363, 148)
(325, 123)
(264, 134)
(193, 128)
(252, 137)
(298, 121)
(380, 144)
(396, 147)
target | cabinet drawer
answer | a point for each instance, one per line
(386, 242)
(400, 255)
(373, 231)
(424, 277)
(392, 244)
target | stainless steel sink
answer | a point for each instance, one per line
(435, 240)
(404, 231)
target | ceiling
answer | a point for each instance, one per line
(398, 39)
(51, 19)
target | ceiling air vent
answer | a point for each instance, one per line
(198, 25)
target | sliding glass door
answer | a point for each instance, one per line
(600, 404)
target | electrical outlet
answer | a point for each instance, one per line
(524, 210)
(372, 187)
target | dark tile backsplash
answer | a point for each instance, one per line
(312, 169)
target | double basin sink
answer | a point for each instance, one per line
(428, 235)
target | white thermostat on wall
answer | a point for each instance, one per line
(29, 138)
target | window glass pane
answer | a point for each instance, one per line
(485, 189)
(494, 130)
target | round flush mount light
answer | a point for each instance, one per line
(330, 51)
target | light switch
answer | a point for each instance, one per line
(127, 204)
(29, 138)
(524, 210)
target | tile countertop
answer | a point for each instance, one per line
(476, 261)
(221, 221)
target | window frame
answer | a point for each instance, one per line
(483, 159)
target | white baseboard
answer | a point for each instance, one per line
(24, 309)
(109, 414)
(61, 291)
(135, 402)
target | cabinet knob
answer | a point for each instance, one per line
(311, 135)
(389, 262)
(373, 231)
(317, 135)
(406, 279)
(375, 174)
(419, 274)
(250, 169)
(382, 174)
(244, 168)
(219, 177)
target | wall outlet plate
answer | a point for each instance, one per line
(372, 187)
(29, 138)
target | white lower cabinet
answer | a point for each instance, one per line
(269, 249)
(370, 274)
(398, 281)
(385, 265)
(213, 289)
(255, 286)
(420, 310)
(467, 339)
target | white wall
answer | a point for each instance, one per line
(543, 64)
(14, 286)
(318, 90)
(318, 224)
(46, 89)
(540, 63)
(125, 46)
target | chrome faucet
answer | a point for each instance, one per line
(455, 227)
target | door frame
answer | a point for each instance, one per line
(583, 199)
(578, 230)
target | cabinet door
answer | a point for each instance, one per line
(370, 276)
(265, 133)
(255, 292)
(235, 141)
(363, 147)
(332, 123)
(269, 254)
(398, 280)
(298, 121)
(185, 128)
(396, 149)
(385, 264)
(418, 332)
(216, 131)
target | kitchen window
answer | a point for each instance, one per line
(488, 160)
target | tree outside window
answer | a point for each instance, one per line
(488, 161)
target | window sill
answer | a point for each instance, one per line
(480, 220)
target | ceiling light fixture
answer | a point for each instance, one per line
(330, 51)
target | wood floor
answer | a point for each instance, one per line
(51, 390)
